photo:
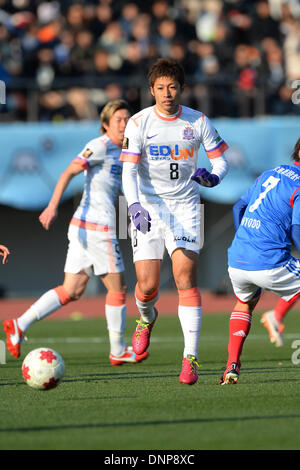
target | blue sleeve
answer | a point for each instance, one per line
(238, 211)
(295, 233)
(239, 207)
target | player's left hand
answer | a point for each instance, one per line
(4, 251)
(203, 177)
(47, 217)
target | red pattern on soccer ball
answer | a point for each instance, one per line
(51, 384)
(25, 372)
(48, 356)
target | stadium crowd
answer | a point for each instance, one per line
(65, 60)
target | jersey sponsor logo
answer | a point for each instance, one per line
(166, 152)
(125, 143)
(188, 133)
(87, 153)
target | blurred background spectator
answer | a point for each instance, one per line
(63, 60)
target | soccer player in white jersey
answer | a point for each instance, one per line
(93, 245)
(160, 182)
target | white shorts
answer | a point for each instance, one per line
(283, 281)
(174, 225)
(92, 251)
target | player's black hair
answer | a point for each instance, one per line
(295, 155)
(166, 68)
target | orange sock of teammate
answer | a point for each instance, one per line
(115, 312)
(48, 303)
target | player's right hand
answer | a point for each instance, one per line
(140, 217)
(205, 178)
(47, 217)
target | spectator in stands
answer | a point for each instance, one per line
(55, 107)
(82, 53)
(46, 40)
(166, 34)
(129, 14)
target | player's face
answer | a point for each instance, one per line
(117, 124)
(167, 94)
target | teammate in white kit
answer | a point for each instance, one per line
(160, 182)
(93, 245)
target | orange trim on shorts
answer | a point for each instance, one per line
(190, 297)
(63, 295)
(144, 297)
(111, 258)
(115, 298)
(90, 225)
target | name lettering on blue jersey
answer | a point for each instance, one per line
(251, 223)
(287, 172)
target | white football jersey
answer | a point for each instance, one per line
(100, 159)
(166, 150)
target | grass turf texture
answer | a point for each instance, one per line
(144, 406)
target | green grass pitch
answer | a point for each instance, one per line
(143, 406)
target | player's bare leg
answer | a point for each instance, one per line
(115, 312)
(189, 310)
(239, 328)
(146, 294)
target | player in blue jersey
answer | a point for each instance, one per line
(266, 219)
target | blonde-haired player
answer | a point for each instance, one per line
(160, 181)
(93, 245)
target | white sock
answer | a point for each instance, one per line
(146, 309)
(45, 305)
(116, 323)
(190, 320)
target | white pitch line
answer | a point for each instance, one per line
(177, 339)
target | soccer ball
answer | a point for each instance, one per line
(43, 369)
